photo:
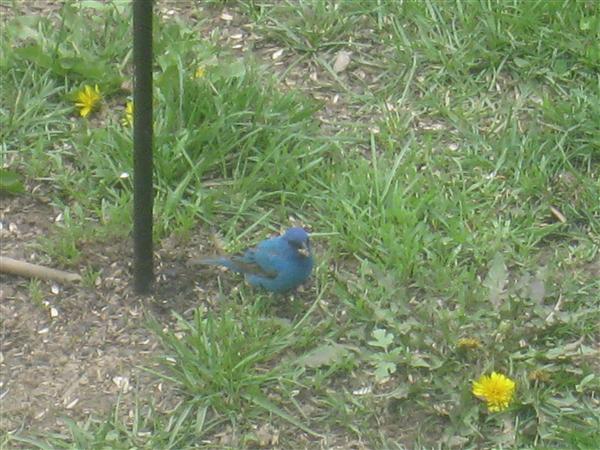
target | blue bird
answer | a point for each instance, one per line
(278, 264)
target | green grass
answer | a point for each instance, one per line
(462, 126)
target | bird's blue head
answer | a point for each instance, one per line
(298, 238)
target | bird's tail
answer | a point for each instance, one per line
(217, 261)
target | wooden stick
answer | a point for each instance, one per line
(16, 267)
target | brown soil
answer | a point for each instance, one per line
(72, 350)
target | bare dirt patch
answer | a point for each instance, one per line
(74, 350)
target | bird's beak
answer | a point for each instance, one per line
(304, 250)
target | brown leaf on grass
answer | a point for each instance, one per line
(324, 355)
(267, 436)
(496, 280)
(556, 213)
(342, 59)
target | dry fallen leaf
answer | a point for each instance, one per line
(127, 86)
(556, 213)
(122, 384)
(342, 60)
(325, 355)
(363, 391)
(277, 54)
(72, 404)
(267, 436)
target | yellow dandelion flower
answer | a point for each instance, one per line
(496, 390)
(200, 72)
(468, 343)
(127, 119)
(87, 100)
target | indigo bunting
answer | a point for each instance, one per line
(278, 264)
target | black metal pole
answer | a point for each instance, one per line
(143, 270)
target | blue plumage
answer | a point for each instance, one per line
(278, 264)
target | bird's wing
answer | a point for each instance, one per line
(239, 263)
(269, 256)
(255, 262)
(264, 260)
